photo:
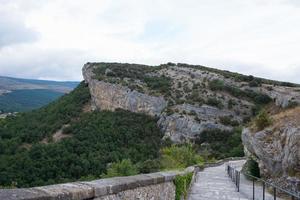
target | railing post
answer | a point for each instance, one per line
(239, 179)
(253, 186)
(274, 192)
(264, 189)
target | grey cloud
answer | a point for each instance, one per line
(14, 32)
(44, 64)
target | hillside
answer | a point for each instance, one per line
(17, 95)
(277, 148)
(188, 99)
(132, 112)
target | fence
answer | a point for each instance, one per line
(256, 187)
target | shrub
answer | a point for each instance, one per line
(262, 120)
(292, 104)
(215, 102)
(149, 166)
(252, 168)
(253, 83)
(122, 168)
(161, 84)
(216, 85)
(182, 184)
(178, 157)
(226, 120)
(231, 103)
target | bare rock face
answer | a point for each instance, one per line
(107, 96)
(283, 96)
(180, 128)
(277, 149)
(184, 127)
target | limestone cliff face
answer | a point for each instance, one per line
(277, 149)
(107, 96)
(186, 122)
(183, 97)
(180, 127)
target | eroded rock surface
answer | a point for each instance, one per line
(179, 95)
(107, 96)
(184, 127)
(277, 149)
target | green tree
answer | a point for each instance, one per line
(122, 168)
(262, 120)
(177, 157)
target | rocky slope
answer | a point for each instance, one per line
(277, 149)
(187, 99)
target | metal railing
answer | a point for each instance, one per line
(235, 176)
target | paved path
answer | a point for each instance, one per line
(246, 185)
(213, 184)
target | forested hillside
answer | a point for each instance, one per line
(30, 157)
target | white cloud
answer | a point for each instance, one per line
(259, 37)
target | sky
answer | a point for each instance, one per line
(53, 39)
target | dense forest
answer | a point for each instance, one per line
(95, 140)
(94, 144)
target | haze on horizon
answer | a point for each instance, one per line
(52, 39)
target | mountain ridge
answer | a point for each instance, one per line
(17, 94)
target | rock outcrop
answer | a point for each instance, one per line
(107, 96)
(183, 127)
(277, 149)
(283, 96)
(179, 95)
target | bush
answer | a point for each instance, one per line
(161, 84)
(178, 157)
(262, 120)
(182, 184)
(252, 168)
(149, 166)
(215, 102)
(216, 85)
(227, 121)
(123, 168)
(221, 143)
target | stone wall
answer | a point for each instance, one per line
(155, 186)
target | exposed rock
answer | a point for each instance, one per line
(183, 127)
(180, 106)
(277, 149)
(283, 96)
(107, 96)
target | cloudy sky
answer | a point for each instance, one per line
(52, 39)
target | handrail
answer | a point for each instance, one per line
(235, 177)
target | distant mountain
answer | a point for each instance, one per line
(18, 95)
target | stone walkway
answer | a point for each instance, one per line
(213, 184)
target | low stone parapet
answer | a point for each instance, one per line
(155, 186)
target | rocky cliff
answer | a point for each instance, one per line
(277, 149)
(108, 96)
(187, 99)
